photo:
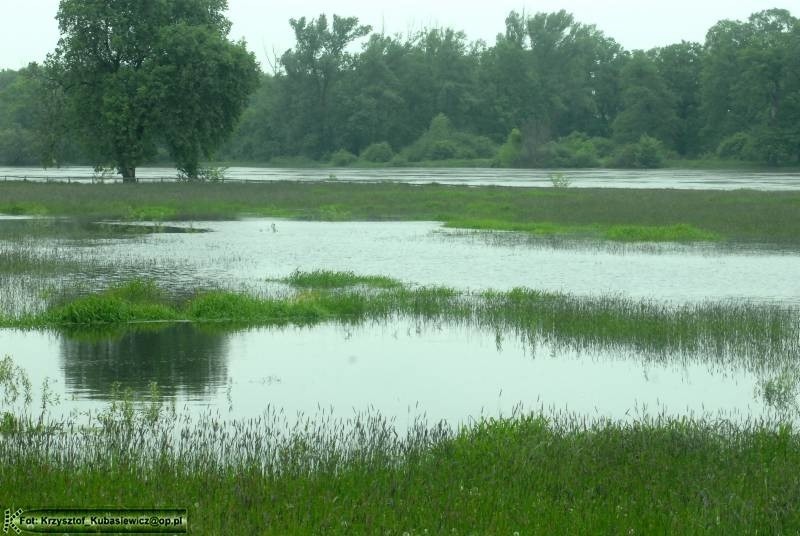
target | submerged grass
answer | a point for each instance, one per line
(742, 215)
(531, 473)
(26, 259)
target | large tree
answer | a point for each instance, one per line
(139, 75)
(312, 80)
(648, 106)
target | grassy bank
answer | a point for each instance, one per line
(528, 474)
(756, 333)
(770, 217)
(622, 233)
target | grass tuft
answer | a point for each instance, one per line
(325, 279)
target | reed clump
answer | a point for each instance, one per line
(327, 279)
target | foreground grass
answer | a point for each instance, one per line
(528, 474)
(770, 217)
(755, 332)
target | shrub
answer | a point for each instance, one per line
(443, 142)
(738, 147)
(574, 151)
(442, 150)
(772, 147)
(647, 153)
(510, 152)
(342, 158)
(378, 152)
(399, 160)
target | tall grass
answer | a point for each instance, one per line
(749, 331)
(531, 473)
(326, 279)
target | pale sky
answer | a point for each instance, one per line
(28, 30)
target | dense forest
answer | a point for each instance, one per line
(550, 92)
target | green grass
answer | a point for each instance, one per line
(527, 474)
(621, 233)
(670, 233)
(754, 335)
(326, 279)
(742, 215)
(25, 259)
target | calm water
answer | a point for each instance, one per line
(402, 370)
(595, 178)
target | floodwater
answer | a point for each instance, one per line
(593, 178)
(401, 369)
(246, 254)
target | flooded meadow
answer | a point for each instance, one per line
(337, 354)
(404, 366)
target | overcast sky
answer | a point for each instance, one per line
(28, 30)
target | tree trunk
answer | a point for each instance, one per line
(128, 174)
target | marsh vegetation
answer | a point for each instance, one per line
(485, 396)
(621, 214)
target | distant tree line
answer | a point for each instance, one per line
(550, 92)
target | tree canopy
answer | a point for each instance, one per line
(139, 76)
(160, 79)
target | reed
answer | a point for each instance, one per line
(752, 332)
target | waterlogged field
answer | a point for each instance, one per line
(254, 253)
(489, 372)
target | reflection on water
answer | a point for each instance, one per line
(28, 228)
(581, 178)
(184, 360)
(400, 370)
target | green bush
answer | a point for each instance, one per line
(399, 160)
(443, 150)
(647, 153)
(17, 147)
(342, 158)
(510, 152)
(378, 152)
(574, 151)
(443, 142)
(772, 147)
(737, 147)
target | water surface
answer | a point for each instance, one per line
(401, 370)
(246, 254)
(592, 178)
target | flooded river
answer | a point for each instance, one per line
(594, 178)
